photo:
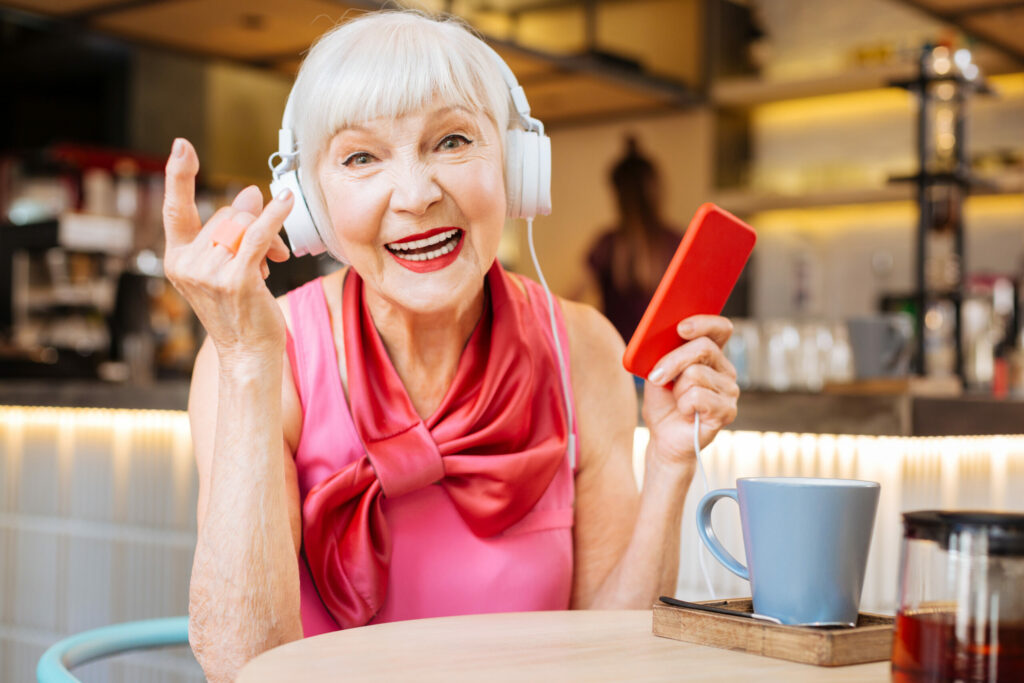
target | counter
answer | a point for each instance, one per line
(162, 395)
(877, 415)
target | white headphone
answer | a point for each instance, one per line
(527, 169)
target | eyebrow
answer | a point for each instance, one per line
(454, 107)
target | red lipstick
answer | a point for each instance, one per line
(422, 235)
(429, 265)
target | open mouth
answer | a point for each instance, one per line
(431, 245)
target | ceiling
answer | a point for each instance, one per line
(579, 60)
(547, 44)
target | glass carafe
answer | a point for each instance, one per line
(961, 593)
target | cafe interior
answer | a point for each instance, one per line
(876, 147)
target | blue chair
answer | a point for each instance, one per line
(55, 664)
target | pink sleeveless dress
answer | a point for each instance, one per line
(438, 566)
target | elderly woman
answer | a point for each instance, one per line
(390, 441)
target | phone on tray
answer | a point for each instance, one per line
(699, 279)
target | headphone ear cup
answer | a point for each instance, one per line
(527, 173)
(531, 174)
(543, 176)
(298, 225)
(514, 172)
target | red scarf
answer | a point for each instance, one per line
(494, 443)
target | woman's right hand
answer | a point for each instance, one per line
(225, 289)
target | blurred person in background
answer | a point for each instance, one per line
(628, 260)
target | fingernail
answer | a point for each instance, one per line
(244, 218)
(179, 148)
(685, 330)
(284, 195)
(656, 376)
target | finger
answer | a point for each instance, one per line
(249, 200)
(181, 217)
(715, 327)
(716, 411)
(278, 250)
(700, 375)
(222, 214)
(228, 233)
(264, 270)
(258, 237)
(701, 350)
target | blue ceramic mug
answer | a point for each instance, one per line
(806, 543)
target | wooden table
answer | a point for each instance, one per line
(531, 646)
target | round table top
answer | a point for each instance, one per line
(527, 646)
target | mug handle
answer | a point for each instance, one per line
(707, 534)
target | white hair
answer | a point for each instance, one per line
(384, 65)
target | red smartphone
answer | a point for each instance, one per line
(699, 279)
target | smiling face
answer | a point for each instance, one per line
(417, 203)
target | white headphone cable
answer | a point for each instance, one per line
(704, 480)
(558, 346)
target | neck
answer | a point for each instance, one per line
(425, 348)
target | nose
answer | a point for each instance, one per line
(416, 189)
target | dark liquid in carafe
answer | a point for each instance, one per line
(928, 648)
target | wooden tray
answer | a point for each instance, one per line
(869, 641)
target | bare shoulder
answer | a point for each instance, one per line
(595, 350)
(592, 336)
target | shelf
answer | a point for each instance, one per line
(97, 295)
(750, 91)
(971, 181)
(979, 86)
(739, 92)
(745, 202)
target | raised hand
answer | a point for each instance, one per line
(220, 267)
(704, 382)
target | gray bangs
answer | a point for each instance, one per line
(386, 65)
(399, 77)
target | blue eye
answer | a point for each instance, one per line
(454, 142)
(358, 159)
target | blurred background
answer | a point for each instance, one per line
(876, 146)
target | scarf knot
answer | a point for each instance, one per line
(407, 461)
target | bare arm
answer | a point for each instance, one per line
(627, 545)
(244, 592)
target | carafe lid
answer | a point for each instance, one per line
(1004, 530)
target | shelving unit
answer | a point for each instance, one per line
(744, 93)
(958, 181)
(810, 160)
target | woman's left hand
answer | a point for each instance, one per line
(704, 382)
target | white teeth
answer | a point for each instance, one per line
(426, 242)
(446, 249)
